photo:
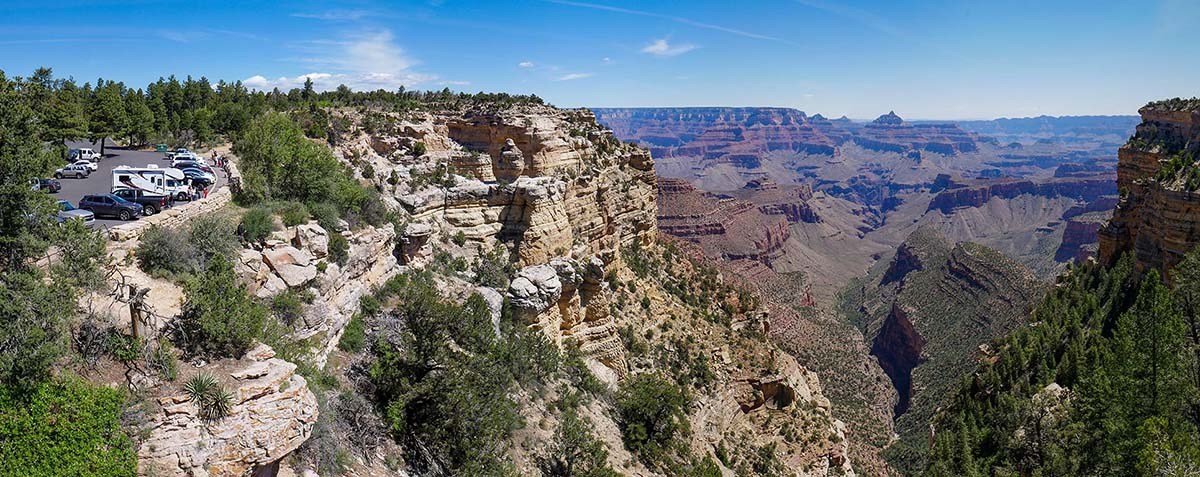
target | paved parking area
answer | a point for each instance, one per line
(100, 181)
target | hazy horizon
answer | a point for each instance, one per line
(937, 60)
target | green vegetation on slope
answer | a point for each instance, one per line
(1124, 349)
(49, 425)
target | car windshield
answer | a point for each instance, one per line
(65, 206)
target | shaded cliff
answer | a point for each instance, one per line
(1158, 216)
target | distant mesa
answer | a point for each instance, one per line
(890, 118)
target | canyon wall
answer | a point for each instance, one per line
(1158, 215)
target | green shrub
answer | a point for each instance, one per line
(326, 215)
(459, 238)
(257, 224)
(368, 171)
(163, 252)
(575, 451)
(64, 427)
(369, 305)
(339, 248)
(219, 319)
(419, 149)
(653, 416)
(162, 360)
(211, 236)
(293, 213)
(287, 306)
(354, 336)
(211, 398)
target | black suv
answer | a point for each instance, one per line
(110, 205)
(151, 204)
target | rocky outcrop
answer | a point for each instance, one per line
(297, 258)
(273, 413)
(1157, 218)
(898, 348)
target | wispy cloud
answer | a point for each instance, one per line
(363, 61)
(676, 19)
(573, 76)
(333, 15)
(526, 64)
(453, 83)
(661, 47)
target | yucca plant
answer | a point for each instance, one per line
(212, 399)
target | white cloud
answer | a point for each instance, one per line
(453, 83)
(526, 64)
(364, 62)
(606, 60)
(573, 76)
(661, 47)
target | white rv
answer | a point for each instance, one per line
(151, 179)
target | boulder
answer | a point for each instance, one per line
(534, 290)
(312, 238)
(294, 266)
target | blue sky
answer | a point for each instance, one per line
(925, 60)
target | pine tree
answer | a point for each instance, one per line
(108, 116)
(140, 125)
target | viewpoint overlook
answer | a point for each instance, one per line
(293, 242)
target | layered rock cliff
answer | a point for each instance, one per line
(1158, 216)
(742, 135)
(551, 194)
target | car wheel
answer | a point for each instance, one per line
(150, 210)
(125, 215)
(58, 175)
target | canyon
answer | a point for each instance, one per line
(897, 250)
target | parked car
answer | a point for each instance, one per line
(83, 153)
(76, 171)
(90, 165)
(185, 164)
(66, 212)
(178, 152)
(46, 185)
(110, 205)
(151, 204)
(194, 174)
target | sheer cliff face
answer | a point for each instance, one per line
(573, 209)
(1158, 216)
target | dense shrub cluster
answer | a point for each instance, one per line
(64, 427)
(173, 253)
(451, 406)
(219, 319)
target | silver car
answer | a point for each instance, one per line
(66, 212)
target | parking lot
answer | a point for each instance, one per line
(100, 181)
